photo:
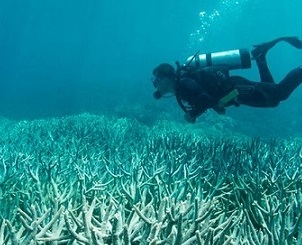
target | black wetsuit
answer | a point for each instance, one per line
(202, 90)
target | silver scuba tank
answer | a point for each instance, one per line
(231, 59)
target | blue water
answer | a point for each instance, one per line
(67, 57)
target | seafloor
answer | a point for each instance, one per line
(91, 179)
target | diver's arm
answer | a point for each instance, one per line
(203, 102)
(192, 98)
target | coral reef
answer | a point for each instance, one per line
(98, 180)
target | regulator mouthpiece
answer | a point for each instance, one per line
(232, 59)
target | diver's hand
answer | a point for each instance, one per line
(189, 118)
(219, 110)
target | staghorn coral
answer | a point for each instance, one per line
(98, 180)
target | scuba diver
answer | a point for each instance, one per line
(203, 82)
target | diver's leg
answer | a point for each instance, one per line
(291, 81)
(270, 94)
(267, 94)
(259, 54)
(260, 51)
(264, 72)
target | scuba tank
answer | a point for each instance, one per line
(231, 59)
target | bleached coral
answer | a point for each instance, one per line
(98, 180)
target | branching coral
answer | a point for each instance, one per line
(97, 180)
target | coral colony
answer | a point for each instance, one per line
(99, 180)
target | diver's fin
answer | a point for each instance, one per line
(261, 49)
(294, 41)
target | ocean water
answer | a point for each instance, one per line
(88, 156)
(68, 57)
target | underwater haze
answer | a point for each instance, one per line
(60, 58)
(88, 156)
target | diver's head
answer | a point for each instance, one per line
(164, 80)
